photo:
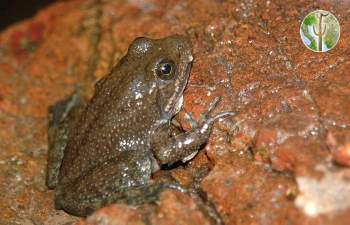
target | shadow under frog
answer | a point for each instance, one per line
(105, 150)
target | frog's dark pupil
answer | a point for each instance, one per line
(166, 68)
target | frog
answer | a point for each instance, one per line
(106, 150)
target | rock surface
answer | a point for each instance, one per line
(288, 141)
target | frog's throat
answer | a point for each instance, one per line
(178, 96)
(178, 104)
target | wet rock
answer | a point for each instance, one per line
(244, 192)
(114, 215)
(326, 195)
(340, 148)
(342, 155)
(177, 208)
(173, 208)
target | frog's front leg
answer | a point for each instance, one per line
(184, 146)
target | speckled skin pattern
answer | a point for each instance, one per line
(106, 150)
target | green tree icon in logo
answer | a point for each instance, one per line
(320, 31)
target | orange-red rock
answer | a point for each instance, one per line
(286, 100)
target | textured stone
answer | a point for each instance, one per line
(292, 105)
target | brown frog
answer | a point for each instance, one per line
(106, 150)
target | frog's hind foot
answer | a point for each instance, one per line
(60, 120)
(61, 109)
(118, 180)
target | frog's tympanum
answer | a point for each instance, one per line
(106, 150)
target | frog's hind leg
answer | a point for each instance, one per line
(62, 116)
(125, 179)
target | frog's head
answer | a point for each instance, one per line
(167, 63)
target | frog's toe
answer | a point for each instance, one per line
(207, 119)
(212, 106)
(205, 116)
(207, 125)
(177, 187)
(190, 120)
(219, 116)
(171, 185)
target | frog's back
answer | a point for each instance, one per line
(117, 119)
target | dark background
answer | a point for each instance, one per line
(12, 11)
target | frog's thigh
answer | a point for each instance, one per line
(62, 116)
(112, 181)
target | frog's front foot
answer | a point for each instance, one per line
(203, 128)
(184, 147)
(206, 122)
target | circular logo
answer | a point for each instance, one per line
(320, 31)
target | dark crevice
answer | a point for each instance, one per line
(12, 11)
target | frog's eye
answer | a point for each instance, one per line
(165, 69)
